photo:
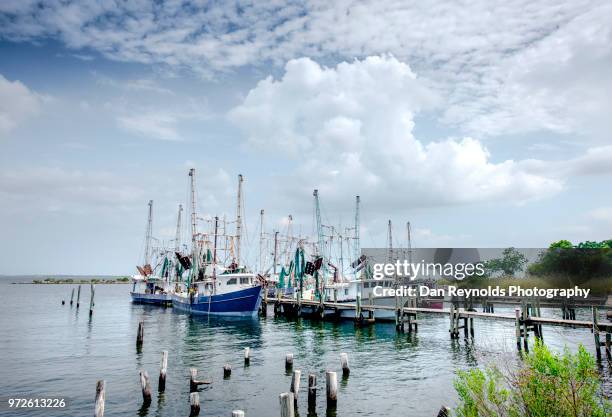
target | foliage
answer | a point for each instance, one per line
(578, 264)
(511, 262)
(564, 244)
(546, 384)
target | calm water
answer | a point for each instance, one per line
(50, 349)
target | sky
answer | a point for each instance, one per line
(483, 123)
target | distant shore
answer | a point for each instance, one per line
(56, 281)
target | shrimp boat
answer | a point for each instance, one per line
(155, 285)
(212, 289)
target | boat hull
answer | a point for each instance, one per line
(242, 303)
(157, 299)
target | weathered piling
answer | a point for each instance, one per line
(78, 296)
(312, 392)
(345, 365)
(237, 413)
(161, 386)
(140, 334)
(146, 387)
(444, 412)
(100, 397)
(227, 370)
(194, 404)
(331, 389)
(287, 408)
(193, 380)
(517, 327)
(63, 302)
(596, 334)
(91, 299)
(71, 296)
(295, 384)
(472, 327)
(288, 361)
(247, 356)
(525, 328)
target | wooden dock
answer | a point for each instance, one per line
(526, 318)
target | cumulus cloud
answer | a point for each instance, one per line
(17, 103)
(506, 66)
(350, 131)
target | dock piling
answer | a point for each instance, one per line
(193, 381)
(444, 412)
(312, 392)
(71, 296)
(145, 386)
(91, 299)
(237, 413)
(100, 397)
(331, 389)
(194, 403)
(596, 334)
(295, 384)
(287, 404)
(140, 334)
(227, 370)
(247, 356)
(345, 365)
(517, 327)
(289, 361)
(162, 372)
(79, 296)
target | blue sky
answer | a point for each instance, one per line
(484, 123)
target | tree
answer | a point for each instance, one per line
(511, 262)
(561, 244)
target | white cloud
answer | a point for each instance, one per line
(349, 129)
(503, 67)
(154, 125)
(17, 103)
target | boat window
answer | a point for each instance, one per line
(244, 280)
(231, 281)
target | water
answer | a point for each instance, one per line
(54, 350)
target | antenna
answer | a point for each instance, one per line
(238, 219)
(177, 238)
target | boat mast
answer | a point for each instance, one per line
(357, 247)
(238, 219)
(148, 234)
(177, 238)
(215, 248)
(390, 243)
(261, 240)
(194, 243)
(409, 242)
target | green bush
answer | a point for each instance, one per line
(545, 384)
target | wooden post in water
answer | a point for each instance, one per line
(345, 365)
(444, 412)
(100, 397)
(227, 370)
(78, 295)
(472, 327)
(451, 329)
(331, 389)
(295, 384)
(146, 387)
(162, 372)
(525, 328)
(287, 408)
(140, 334)
(247, 356)
(312, 392)
(194, 404)
(193, 382)
(289, 361)
(596, 334)
(71, 296)
(91, 299)
(517, 327)
(237, 413)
